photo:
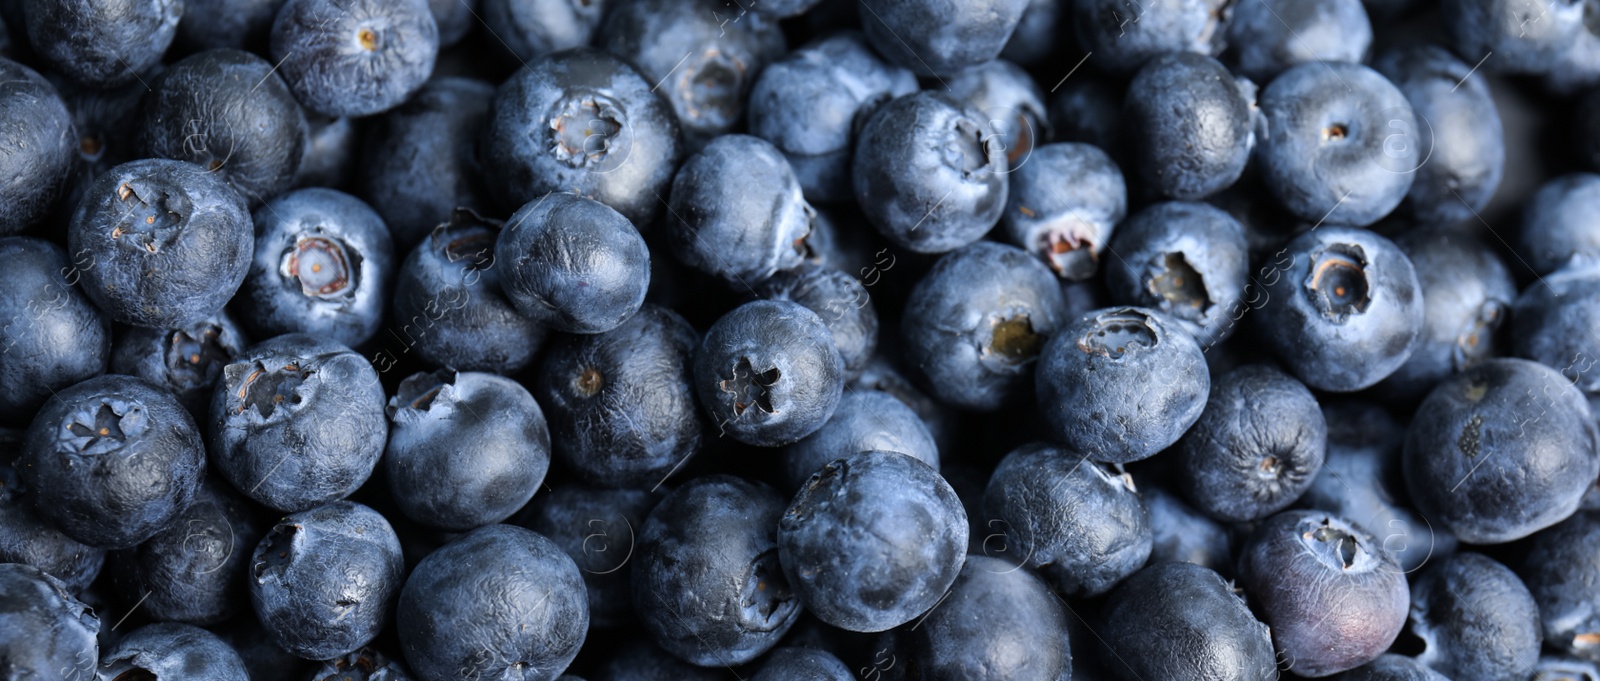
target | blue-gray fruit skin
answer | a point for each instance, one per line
(1559, 570)
(802, 664)
(1062, 206)
(239, 24)
(420, 163)
(1197, 124)
(40, 144)
(1459, 131)
(1558, 223)
(533, 29)
(1121, 383)
(1341, 143)
(1257, 447)
(1521, 44)
(1178, 532)
(354, 57)
(1011, 103)
(1034, 39)
(1501, 450)
(737, 212)
(449, 307)
(45, 632)
(323, 265)
(466, 449)
(526, 623)
(599, 529)
(185, 360)
(975, 324)
(1088, 110)
(872, 541)
(26, 538)
(101, 43)
(171, 649)
(1121, 35)
(1476, 619)
(364, 664)
(36, 290)
(1080, 524)
(707, 583)
(573, 264)
(297, 422)
(881, 376)
(994, 610)
(1334, 598)
(928, 174)
(1344, 308)
(1190, 260)
(937, 39)
(332, 148)
(193, 571)
(541, 136)
(1555, 319)
(167, 243)
(1562, 668)
(1392, 667)
(866, 420)
(768, 373)
(1184, 621)
(810, 104)
(1266, 38)
(840, 300)
(324, 581)
(112, 461)
(454, 19)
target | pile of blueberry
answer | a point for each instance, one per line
(799, 340)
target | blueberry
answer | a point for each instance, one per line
(642, 369)
(26, 538)
(802, 664)
(1341, 143)
(881, 376)
(112, 461)
(38, 142)
(768, 373)
(1178, 532)
(599, 529)
(1183, 621)
(420, 160)
(41, 305)
(330, 154)
(1391, 667)
(1197, 120)
(1121, 35)
(107, 124)
(323, 264)
(993, 612)
(1121, 384)
(936, 39)
(1189, 260)
(1034, 39)
(354, 57)
(976, 323)
(238, 24)
(928, 173)
(297, 422)
(45, 633)
(1476, 619)
(840, 300)
(526, 621)
(171, 649)
(465, 449)
(1526, 42)
(737, 212)
(265, 660)
(186, 360)
(228, 111)
(872, 541)
(533, 29)
(102, 43)
(1266, 38)
(455, 18)
(1315, 578)
(581, 120)
(573, 264)
(1063, 205)
(1256, 448)
(1088, 110)
(166, 242)
(194, 570)
(1558, 668)
(365, 664)
(1077, 522)
(865, 421)
(1501, 450)
(1558, 570)
(1010, 101)
(1344, 308)
(1557, 224)
(323, 581)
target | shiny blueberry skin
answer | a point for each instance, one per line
(227, 110)
(768, 373)
(45, 633)
(354, 57)
(1507, 28)
(323, 264)
(872, 541)
(599, 529)
(840, 300)
(928, 173)
(112, 461)
(936, 39)
(38, 296)
(1077, 522)
(102, 43)
(1178, 532)
(810, 104)
(39, 143)
(1010, 101)
(1062, 206)
(297, 422)
(167, 242)
(802, 664)
(323, 581)
(573, 264)
(466, 449)
(1558, 223)
(364, 664)
(737, 212)
(1190, 260)
(1265, 39)
(865, 421)
(1334, 598)
(420, 159)
(1184, 621)
(993, 612)
(1256, 448)
(581, 120)
(185, 360)
(975, 324)
(170, 649)
(1391, 667)
(1345, 308)
(194, 570)
(239, 24)
(498, 602)
(1554, 320)
(1476, 619)
(26, 538)
(1121, 384)
(1342, 144)
(1559, 570)
(1476, 463)
(449, 307)
(1121, 36)
(643, 368)
(533, 29)
(1196, 121)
